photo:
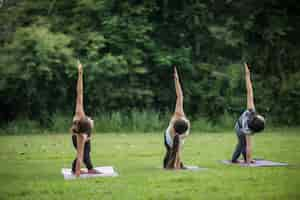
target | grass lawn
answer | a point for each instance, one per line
(30, 168)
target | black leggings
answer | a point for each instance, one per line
(170, 155)
(86, 154)
(240, 148)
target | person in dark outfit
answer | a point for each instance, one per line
(249, 123)
(177, 130)
(81, 131)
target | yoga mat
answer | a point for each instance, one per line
(194, 168)
(258, 163)
(106, 171)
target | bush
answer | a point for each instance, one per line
(22, 126)
(118, 122)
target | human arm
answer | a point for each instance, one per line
(79, 112)
(250, 98)
(179, 95)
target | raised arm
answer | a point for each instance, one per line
(179, 95)
(79, 112)
(250, 98)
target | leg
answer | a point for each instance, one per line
(74, 140)
(238, 150)
(167, 155)
(176, 150)
(166, 158)
(86, 156)
(170, 162)
(243, 142)
(74, 165)
(173, 154)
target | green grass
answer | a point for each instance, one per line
(30, 168)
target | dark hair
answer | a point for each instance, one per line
(256, 124)
(180, 126)
(82, 126)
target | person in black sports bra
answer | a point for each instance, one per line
(81, 131)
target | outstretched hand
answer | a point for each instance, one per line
(175, 73)
(247, 68)
(79, 66)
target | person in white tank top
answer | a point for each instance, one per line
(178, 129)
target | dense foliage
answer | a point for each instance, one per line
(128, 49)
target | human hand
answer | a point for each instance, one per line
(175, 73)
(247, 68)
(77, 173)
(79, 66)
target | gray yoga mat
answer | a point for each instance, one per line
(106, 171)
(258, 163)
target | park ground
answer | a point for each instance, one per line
(31, 168)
